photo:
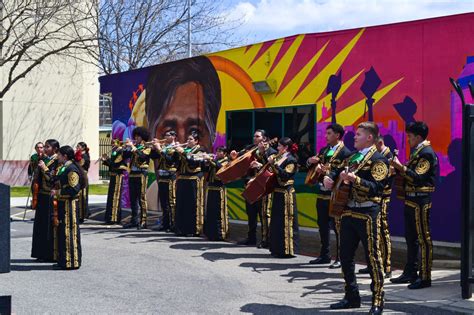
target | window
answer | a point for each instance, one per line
(105, 110)
(296, 122)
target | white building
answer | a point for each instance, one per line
(58, 100)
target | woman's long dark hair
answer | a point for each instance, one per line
(84, 146)
(53, 143)
(292, 147)
(69, 153)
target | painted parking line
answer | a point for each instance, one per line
(15, 216)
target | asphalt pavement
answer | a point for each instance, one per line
(150, 272)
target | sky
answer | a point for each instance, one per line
(269, 19)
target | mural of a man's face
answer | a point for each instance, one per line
(185, 113)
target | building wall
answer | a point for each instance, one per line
(59, 100)
(393, 74)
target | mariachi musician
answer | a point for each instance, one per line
(138, 151)
(384, 239)
(189, 217)
(33, 172)
(70, 180)
(117, 166)
(84, 161)
(44, 234)
(329, 158)
(365, 176)
(216, 223)
(166, 169)
(261, 207)
(419, 176)
(284, 215)
(35, 158)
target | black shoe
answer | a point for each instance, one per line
(162, 228)
(404, 278)
(130, 225)
(376, 310)
(81, 221)
(141, 226)
(388, 275)
(320, 261)
(335, 265)
(419, 284)
(345, 303)
(364, 270)
(263, 244)
(247, 242)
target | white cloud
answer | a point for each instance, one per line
(266, 19)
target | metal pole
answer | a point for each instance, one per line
(190, 54)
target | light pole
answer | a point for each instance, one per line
(190, 54)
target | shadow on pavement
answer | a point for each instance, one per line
(204, 246)
(257, 308)
(310, 275)
(261, 267)
(215, 256)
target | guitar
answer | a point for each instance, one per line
(239, 167)
(398, 181)
(340, 194)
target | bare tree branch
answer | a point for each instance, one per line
(34, 30)
(138, 34)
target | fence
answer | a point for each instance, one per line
(104, 148)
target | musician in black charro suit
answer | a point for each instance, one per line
(385, 241)
(261, 207)
(329, 158)
(284, 214)
(367, 176)
(189, 218)
(419, 182)
(166, 167)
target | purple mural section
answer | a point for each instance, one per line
(446, 205)
(124, 88)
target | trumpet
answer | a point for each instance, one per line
(201, 156)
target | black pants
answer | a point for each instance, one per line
(167, 196)
(418, 235)
(260, 209)
(385, 241)
(325, 223)
(362, 225)
(137, 185)
(113, 210)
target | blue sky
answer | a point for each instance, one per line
(268, 19)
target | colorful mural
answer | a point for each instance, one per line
(390, 74)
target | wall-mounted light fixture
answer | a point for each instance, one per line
(264, 86)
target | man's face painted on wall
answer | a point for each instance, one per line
(185, 114)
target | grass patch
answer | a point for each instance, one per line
(94, 189)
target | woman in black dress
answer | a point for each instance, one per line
(44, 234)
(70, 180)
(84, 160)
(284, 215)
(216, 223)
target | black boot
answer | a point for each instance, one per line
(349, 301)
(405, 277)
(364, 270)
(376, 310)
(420, 284)
(336, 264)
(320, 260)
